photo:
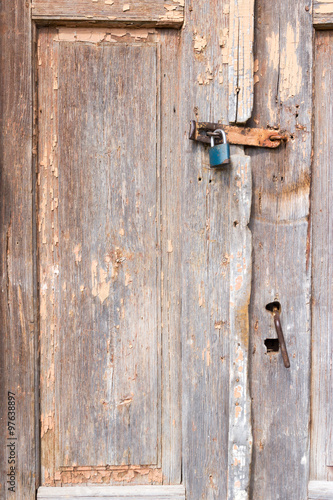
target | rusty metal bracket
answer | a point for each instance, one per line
(201, 131)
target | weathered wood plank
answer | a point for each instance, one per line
(205, 236)
(17, 339)
(240, 432)
(323, 14)
(125, 12)
(99, 253)
(281, 245)
(113, 492)
(322, 273)
(240, 43)
(320, 490)
(171, 259)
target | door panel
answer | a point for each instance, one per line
(100, 258)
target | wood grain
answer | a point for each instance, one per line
(320, 490)
(281, 251)
(123, 12)
(205, 239)
(323, 14)
(17, 344)
(322, 274)
(103, 249)
(240, 431)
(240, 42)
(113, 492)
(99, 253)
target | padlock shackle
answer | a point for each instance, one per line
(223, 134)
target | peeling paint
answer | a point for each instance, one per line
(200, 43)
(95, 35)
(291, 72)
(101, 287)
(132, 474)
(78, 252)
(47, 423)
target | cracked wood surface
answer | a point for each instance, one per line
(322, 273)
(240, 64)
(123, 12)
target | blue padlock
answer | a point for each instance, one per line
(219, 155)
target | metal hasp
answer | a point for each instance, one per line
(219, 155)
(278, 327)
(259, 137)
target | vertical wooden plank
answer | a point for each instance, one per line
(281, 246)
(171, 258)
(16, 250)
(322, 273)
(241, 26)
(241, 31)
(47, 243)
(240, 432)
(205, 257)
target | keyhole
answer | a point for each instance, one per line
(272, 345)
(273, 305)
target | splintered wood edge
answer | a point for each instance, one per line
(114, 492)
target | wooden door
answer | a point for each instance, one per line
(135, 280)
(119, 255)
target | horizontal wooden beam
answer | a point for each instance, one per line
(112, 492)
(323, 14)
(146, 13)
(320, 490)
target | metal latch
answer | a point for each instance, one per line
(259, 137)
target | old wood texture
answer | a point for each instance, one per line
(323, 14)
(322, 273)
(108, 247)
(206, 232)
(281, 250)
(17, 340)
(240, 43)
(320, 490)
(113, 492)
(123, 12)
(240, 432)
